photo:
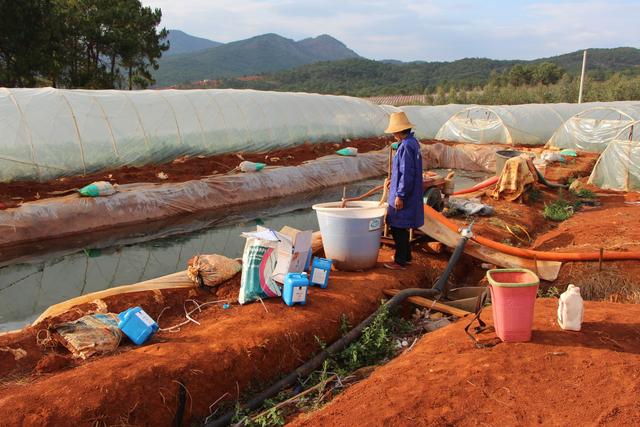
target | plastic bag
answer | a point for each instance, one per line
(551, 156)
(98, 189)
(348, 151)
(211, 270)
(258, 263)
(94, 333)
(247, 166)
(469, 207)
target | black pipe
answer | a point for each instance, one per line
(465, 235)
(544, 181)
(315, 363)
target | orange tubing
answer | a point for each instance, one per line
(537, 255)
(478, 186)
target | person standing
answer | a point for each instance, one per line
(405, 209)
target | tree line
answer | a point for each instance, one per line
(96, 44)
(473, 81)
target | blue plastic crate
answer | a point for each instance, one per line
(320, 268)
(137, 325)
(295, 288)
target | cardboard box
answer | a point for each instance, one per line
(294, 247)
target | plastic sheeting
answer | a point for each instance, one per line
(481, 158)
(593, 129)
(48, 133)
(618, 167)
(527, 124)
(143, 203)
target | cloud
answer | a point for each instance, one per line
(418, 29)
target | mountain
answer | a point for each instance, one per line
(260, 54)
(326, 48)
(364, 77)
(181, 42)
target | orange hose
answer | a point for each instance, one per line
(536, 255)
(478, 186)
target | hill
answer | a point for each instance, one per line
(260, 54)
(616, 59)
(181, 42)
(364, 77)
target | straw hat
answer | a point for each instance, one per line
(398, 122)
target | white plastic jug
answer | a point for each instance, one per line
(570, 309)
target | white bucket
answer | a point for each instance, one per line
(351, 235)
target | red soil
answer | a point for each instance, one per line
(559, 378)
(231, 351)
(180, 170)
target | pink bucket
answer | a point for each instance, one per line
(513, 296)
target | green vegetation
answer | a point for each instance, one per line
(376, 344)
(583, 193)
(534, 194)
(559, 211)
(95, 44)
(614, 74)
(550, 292)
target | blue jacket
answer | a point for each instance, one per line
(406, 183)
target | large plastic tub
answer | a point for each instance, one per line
(513, 296)
(501, 158)
(351, 235)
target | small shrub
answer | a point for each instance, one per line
(559, 211)
(534, 195)
(374, 345)
(551, 292)
(586, 194)
(272, 418)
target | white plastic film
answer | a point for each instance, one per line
(429, 119)
(48, 133)
(593, 129)
(528, 124)
(618, 167)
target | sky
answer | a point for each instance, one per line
(407, 30)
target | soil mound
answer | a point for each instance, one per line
(590, 377)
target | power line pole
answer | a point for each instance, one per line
(584, 66)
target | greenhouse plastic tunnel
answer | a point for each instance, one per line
(527, 124)
(618, 167)
(47, 133)
(593, 129)
(427, 119)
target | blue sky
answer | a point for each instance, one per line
(419, 29)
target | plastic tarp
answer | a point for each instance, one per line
(593, 129)
(47, 133)
(618, 167)
(481, 158)
(527, 124)
(143, 203)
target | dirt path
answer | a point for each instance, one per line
(231, 351)
(558, 379)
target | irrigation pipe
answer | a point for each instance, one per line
(315, 363)
(484, 184)
(537, 255)
(490, 181)
(544, 181)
